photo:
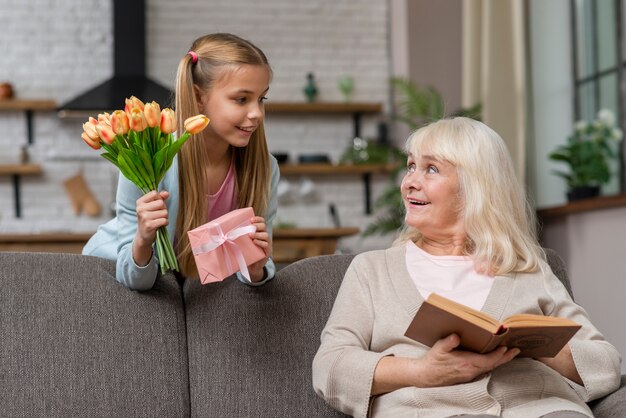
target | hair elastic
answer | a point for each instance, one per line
(194, 56)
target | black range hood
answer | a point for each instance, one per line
(129, 75)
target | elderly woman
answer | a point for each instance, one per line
(469, 236)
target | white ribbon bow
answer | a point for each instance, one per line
(230, 246)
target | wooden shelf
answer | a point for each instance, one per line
(280, 233)
(20, 169)
(27, 104)
(327, 169)
(580, 206)
(322, 107)
(333, 169)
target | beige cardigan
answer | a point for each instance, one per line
(374, 306)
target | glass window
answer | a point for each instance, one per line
(599, 48)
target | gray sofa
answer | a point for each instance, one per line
(75, 343)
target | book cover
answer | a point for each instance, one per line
(534, 335)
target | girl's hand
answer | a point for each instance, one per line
(151, 215)
(445, 366)
(261, 238)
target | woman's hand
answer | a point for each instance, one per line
(151, 215)
(261, 238)
(443, 365)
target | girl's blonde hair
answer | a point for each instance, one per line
(219, 55)
(499, 221)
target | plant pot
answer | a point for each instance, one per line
(583, 192)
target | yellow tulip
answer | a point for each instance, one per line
(119, 122)
(152, 111)
(196, 124)
(168, 121)
(137, 120)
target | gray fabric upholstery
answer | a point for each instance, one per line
(74, 342)
(251, 348)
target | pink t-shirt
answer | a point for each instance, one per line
(224, 200)
(450, 276)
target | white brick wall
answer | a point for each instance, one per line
(56, 49)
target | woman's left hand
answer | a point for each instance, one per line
(261, 238)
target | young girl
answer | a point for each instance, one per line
(225, 167)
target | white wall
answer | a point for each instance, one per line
(591, 245)
(56, 49)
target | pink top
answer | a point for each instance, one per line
(224, 200)
(450, 276)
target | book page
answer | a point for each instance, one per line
(530, 320)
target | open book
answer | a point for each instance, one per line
(534, 335)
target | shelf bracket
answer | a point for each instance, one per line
(367, 192)
(29, 126)
(356, 117)
(16, 194)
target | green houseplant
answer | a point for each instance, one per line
(588, 153)
(415, 107)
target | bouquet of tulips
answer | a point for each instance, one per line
(139, 140)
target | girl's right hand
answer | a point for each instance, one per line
(151, 215)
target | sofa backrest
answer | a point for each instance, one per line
(251, 348)
(74, 342)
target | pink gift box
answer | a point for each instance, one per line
(223, 247)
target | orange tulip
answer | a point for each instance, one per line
(152, 111)
(104, 118)
(133, 103)
(196, 124)
(95, 144)
(106, 133)
(137, 120)
(119, 122)
(168, 121)
(89, 129)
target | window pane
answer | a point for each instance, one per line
(608, 93)
(586, 97)
(605, 25)
(584, 38)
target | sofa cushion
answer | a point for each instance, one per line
(251, 348)
(74, 342)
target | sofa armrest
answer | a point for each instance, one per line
(613, 405)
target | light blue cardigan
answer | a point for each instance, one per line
(113, 240)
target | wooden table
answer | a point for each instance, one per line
(56, 242)
(290, 244)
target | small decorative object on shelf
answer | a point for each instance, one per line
(588, 153)
(310, 89)
(346, 87)
(139, 141)
(6, 90)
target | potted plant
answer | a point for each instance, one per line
(588, 153)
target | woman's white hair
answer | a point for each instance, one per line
(499, 221)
